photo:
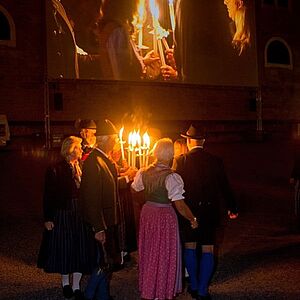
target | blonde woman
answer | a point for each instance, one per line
(68, 245)
(159, 244)
(237, 12)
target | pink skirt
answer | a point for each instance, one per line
(159, 252)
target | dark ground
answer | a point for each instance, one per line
(258, 258)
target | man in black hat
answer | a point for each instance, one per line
(205, 185)
(99, 199)
(99, 190)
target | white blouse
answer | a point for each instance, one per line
(174, 185)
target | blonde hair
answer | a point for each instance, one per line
(163, 149)
(68, 145)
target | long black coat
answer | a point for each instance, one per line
(59, 189)
(98, 192)
(207, 192)
(61, 45)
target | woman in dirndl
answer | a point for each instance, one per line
(68, 246)
(159, 244)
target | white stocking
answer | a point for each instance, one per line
(65, 279)
(76, 280)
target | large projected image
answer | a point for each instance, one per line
(191, 41)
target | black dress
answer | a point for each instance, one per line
(70, 246)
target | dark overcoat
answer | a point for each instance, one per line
(207, 192)
(98, 192)
(61, 45)
(60, 188)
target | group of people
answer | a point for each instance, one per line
(104, 31)
(107, 49)
(82, 213)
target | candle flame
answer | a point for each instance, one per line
(121, 134)
(138, 150)
(130, 138)
(134, 138)
(146, 140)
(160, 31)
(139, 16)
(141, 9)
(154, 9)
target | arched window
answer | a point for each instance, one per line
(278, 54)
(7, 28)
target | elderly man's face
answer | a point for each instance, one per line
(87, 133)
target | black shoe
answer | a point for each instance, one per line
(193, 293)
(67, 291)
(78, 295)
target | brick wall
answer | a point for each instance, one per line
(21, 67)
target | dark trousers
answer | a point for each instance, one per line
(98, 286)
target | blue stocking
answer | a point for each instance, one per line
(190, 259)
(206, 269)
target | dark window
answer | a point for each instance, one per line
(277, 53)
(4, 28)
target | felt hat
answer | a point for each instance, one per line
(87, 124)
(194, 133)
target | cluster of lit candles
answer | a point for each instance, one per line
(138, 148)
(159, 33)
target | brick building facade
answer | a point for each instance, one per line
(24, 90)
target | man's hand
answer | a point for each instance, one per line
(194, 223)
(232, 215)
(168, 72)
(130, 172)
(150, 57)
(49, 225)
(100, 236)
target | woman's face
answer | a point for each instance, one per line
(76, 153)
(232, 7)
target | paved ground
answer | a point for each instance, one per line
(259, 254)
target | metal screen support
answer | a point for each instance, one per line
(47, 116)
(259, 123)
